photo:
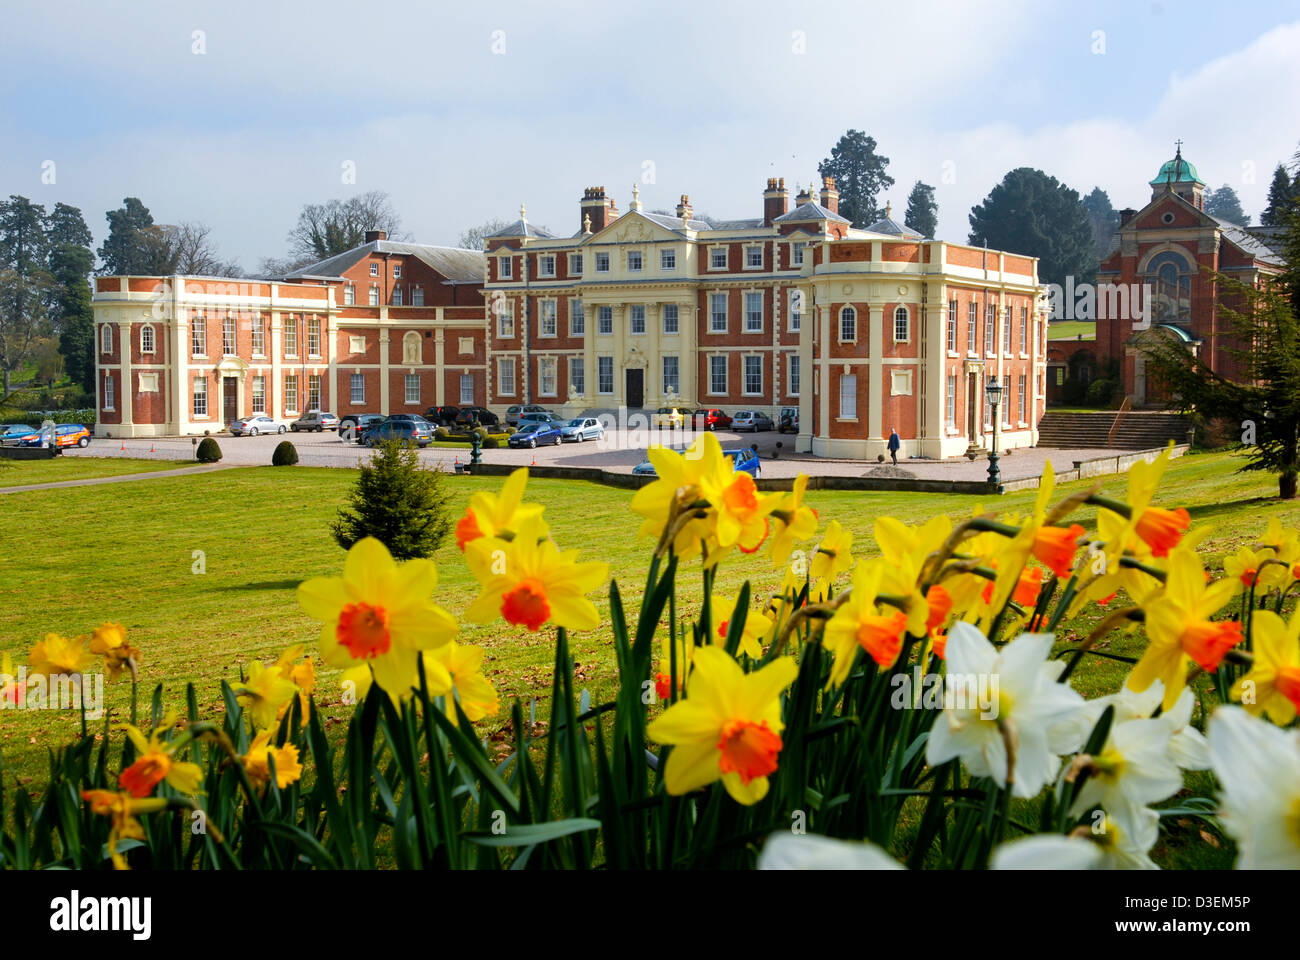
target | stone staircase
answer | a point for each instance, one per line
(1137, 429)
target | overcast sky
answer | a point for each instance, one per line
(463, 111)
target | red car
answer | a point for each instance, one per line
(711, 419)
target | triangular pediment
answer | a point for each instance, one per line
(633, 227)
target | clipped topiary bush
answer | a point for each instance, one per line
(286, 454)
(208, 451)
(491, 443)
(442, 433)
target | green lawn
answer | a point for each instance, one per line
(126, 553)
(19, 473)
(1072, 330)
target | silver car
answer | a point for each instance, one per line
(582, 428)
(254, 425)
(751, 420)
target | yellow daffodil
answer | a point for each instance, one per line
(1272, 686)
(1284, 543)
(124, 809)
(1160, 529)
(109, 641)
(678, 489)
(257, 762)
(905, 551)
(57, 655)
(740, 511)
(378, 614)
(1257, 569)
(156, 761)
(457, 669)
(1179, 628)
(497, 514)
(528, 581)
(1051, 545)
(265, 693)
(833, 555)
(792, 522)
(756, 626)
(10, 689)
(862, 622)
(728, 727)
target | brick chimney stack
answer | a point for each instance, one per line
(775, 200)
(373, 235)
(598, 206)
(830, 196)
(684, 209)
(1125, 215)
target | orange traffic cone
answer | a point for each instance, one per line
(124, 448)
(534, 459)
(151, 448)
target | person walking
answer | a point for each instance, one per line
(894, 444)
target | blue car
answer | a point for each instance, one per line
(536, 434)
(13, 434)
(743, 461)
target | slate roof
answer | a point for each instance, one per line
(807, 211)
(890, 225)
(522, 228)
(457, 265)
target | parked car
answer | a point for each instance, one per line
(65, 435)
(410, 418)
(420, 434)
(513, 413)
(710, 418)
(543, 417)
(13, 434)
(745, 460)
(315, 420)
(669, 418)
(442, 415)
(484, 417)
(788, 421)
(354, 425)
(535, 435)
(751, 420)
(257, 424)
(582, 428)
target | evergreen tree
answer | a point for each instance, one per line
(859, 174)
(134, 245)
(1226, 205)
(1281, 194)
(1033, 214)
(72, 315)
(922, 210)
(398, 502)
(25, 284)
(1265, 403)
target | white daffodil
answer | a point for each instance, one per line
(1187, 745)
(1046, 851)
(806, 851)
(1133, 769)
(1031, 707)
(1258, 765)
(1129, 849)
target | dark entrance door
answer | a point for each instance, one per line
(635, 388)
(230, 399)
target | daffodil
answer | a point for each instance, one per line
(1133, 769)
(1179, 628)
(156, 761)
(257, 761)
(1028, 707)
(1272, 686)
(1258, 766)
(456, 669)
(1187, 745)
(861, 621)
(265, 692)
(11, 691)
(109, 641)
(1284, 543)
(496, 514)
(756, 626)
(1256, 569)
(528, 581)
(675, 503)
(57, 655)
(1160, 529)
(906, 551)
(739, 512)
(1053, 546)
(792, 522)
(728, 728)
(123, 809)
(833, 555)
(378, 614)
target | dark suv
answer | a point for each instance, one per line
(481, 415)
(789, 421)
(443, 415)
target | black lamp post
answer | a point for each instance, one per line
(994, 391)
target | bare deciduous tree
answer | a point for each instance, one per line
(326, 229)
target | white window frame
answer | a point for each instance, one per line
(397, 271)
(796, 310)
(745, 365)
(676, 375)
(397, 296)
(291, 396)
(713, 312)
(601, 364)
(408, 381)
(374, 269)
(665, 312)
(605, 321)
(259, 336)
(793, 375)
(577, 318)
(1021, 387)
(950, 403)
(602, 257)
(635, 312)
(417, 296)
(548, 369)
(506, 376)
(546, 265)
(466, 396)
(796, 253)
(718, 362)
(853, 310)
(903, 315)
(289, 330)
(990, 330)
(373, 300)
(1024, 331)
(313, 391)
(199, 396)
(505, 268)
(952, 328)
(505, 311)
(668, 259)
(147, 340)
(1007, 341)
(713, 251)
(578, 375)
(198, 336)
(747, 326)
(358, 396)
(750, 249)
(848, 410)
(548, 324)
(313, 336)
(349, 294)
(972, 328)
(110, 394)
(639, 265)
(575, 264)
(259, 393)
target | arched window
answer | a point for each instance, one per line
(902, 325)
(106, 339)
(411, 347)
(146, 338)
(848, 324)
(1168, 278)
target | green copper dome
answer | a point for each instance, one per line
(1177, 170)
